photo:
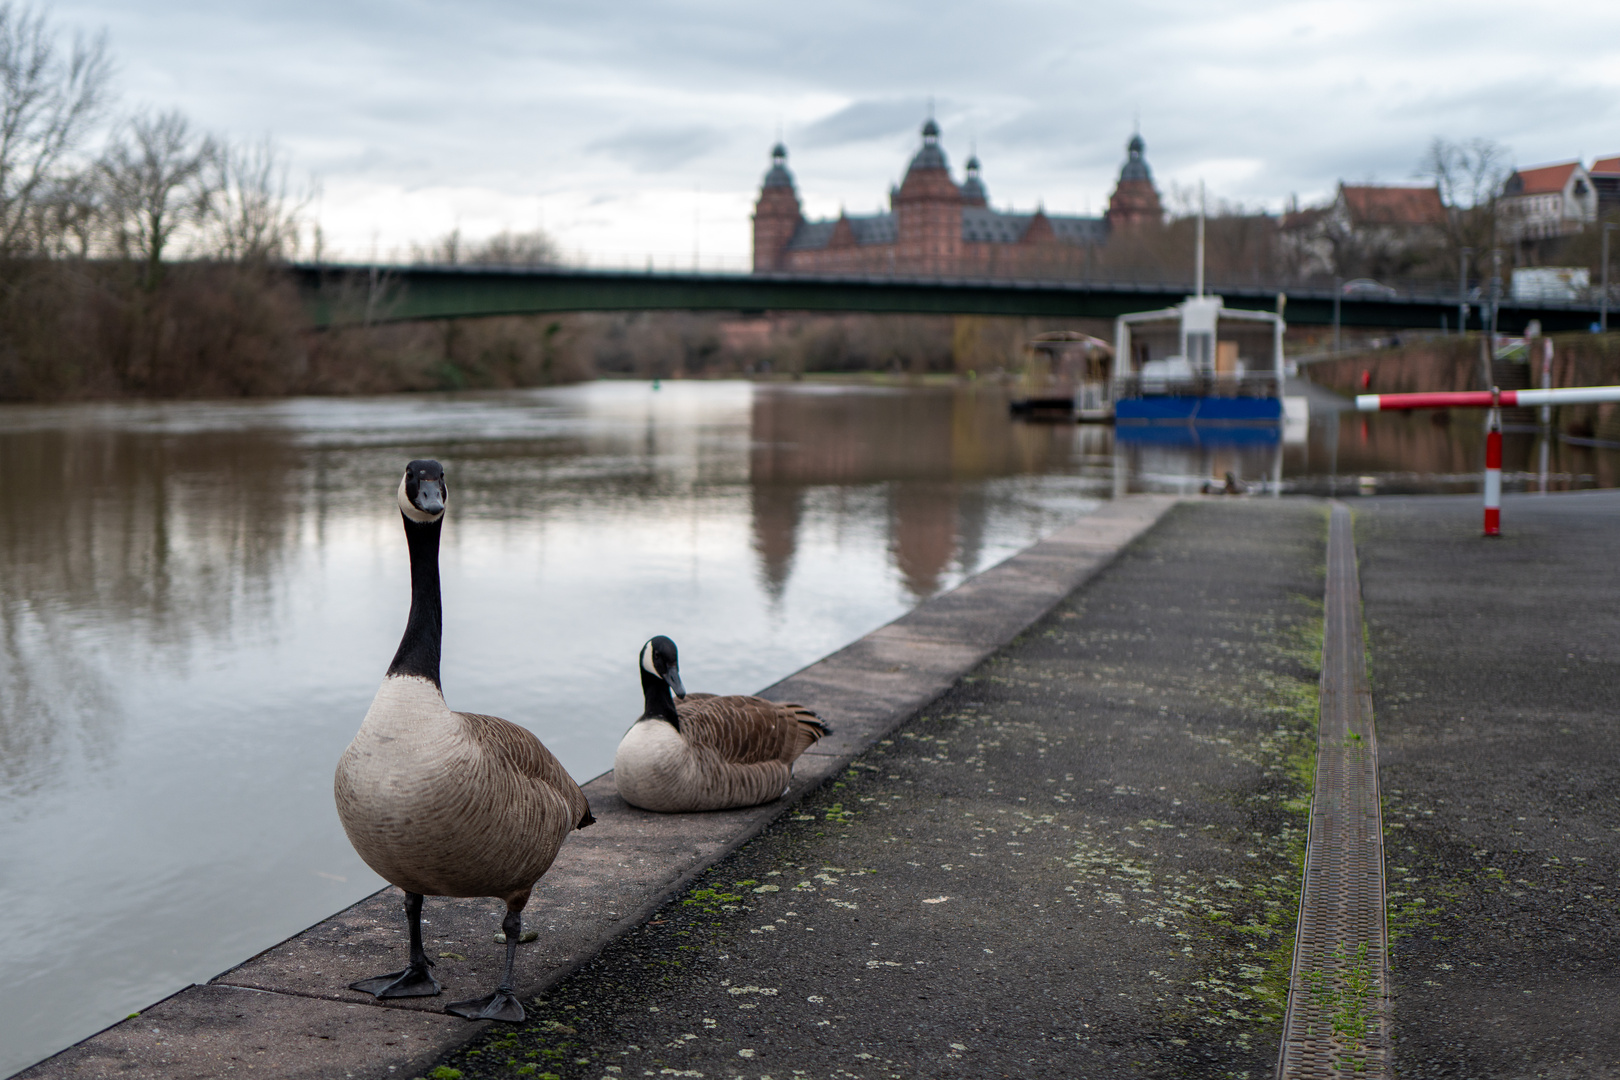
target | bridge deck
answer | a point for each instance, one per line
(345, 295)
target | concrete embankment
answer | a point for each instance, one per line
(1083, 859)
(287, 1012)
(1496, 686)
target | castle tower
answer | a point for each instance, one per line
(1135, 200)
(777, 214)
(928, 212)
(973, 192)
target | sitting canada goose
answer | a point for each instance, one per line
(446, 803)
(708, 753)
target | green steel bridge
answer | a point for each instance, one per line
(349, 295)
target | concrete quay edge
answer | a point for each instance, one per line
(287, 1011)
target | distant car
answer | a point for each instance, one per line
(1363, 286)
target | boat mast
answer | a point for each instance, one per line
(1199, 254)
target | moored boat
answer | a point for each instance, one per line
(1199, 362)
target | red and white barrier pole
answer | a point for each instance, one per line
(1493, 470)
(1482, 399)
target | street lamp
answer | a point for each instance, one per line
(1603, 276)
(1462, 291)
(1338, 290)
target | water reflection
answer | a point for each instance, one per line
(1438, 452)
(932, 447)
(196, 602)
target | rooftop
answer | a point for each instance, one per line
(1542, 179)
(1383, 204)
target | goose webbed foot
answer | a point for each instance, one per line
(501, 1005)
(414, 981)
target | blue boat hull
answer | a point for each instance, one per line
(1169, 409)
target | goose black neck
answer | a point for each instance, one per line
(658, 700)
(419, 649)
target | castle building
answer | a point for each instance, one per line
(935, 226)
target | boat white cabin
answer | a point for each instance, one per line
(1199, 361)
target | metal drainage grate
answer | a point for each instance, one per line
(1338, 1018)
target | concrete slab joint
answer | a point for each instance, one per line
(287, 1011)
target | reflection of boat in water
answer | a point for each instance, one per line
(1199, 363)
(1067, 376)
(1182, 433)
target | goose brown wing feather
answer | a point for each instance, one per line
(746, 730)
(522, 751)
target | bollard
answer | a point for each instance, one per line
(1493, 469)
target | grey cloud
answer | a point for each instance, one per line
(501, 91)
(658, 149)
(865, 120)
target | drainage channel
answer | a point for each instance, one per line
(1338, 1017)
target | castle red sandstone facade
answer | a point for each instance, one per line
(936, 226)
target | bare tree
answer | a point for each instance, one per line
(447, 250)
(155, 176)
(1470, 175)
(65, 217)
(507, 248)
(252, 214)
(49, 98)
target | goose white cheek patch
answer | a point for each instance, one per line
(647, 659)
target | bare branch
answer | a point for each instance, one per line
(48, 102)
(253, 216)
(155, 182)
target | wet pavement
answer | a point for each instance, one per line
(1495, 671)
(1083, 859)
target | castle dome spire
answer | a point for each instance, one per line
(930, 156)
(1136, 166)
(778, 176)
(973, 190)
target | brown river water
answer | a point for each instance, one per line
(197, 602)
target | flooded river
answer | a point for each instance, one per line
(197, 602)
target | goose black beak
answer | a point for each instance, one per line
(430, 496)
(673, 677)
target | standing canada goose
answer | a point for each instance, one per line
(445, 803)
(708, 752)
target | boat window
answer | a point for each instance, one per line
(1200, 350)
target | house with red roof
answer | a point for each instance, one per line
(1605, 173)
(1548, 200)
(1368, 229)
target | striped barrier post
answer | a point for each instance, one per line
(1482, 399)
(1493, 470)
(1494, 400)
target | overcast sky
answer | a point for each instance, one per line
(635, 128)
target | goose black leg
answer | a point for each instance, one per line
(414, 981)
(501, 1005)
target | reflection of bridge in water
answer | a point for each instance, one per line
(341, 295)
